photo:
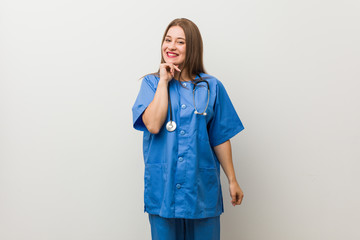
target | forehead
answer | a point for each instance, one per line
(175, 32)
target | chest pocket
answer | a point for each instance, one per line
(201, 97)
(201, 127)
(203, 104)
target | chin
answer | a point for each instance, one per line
(173, 61)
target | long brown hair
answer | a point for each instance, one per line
(193, 64)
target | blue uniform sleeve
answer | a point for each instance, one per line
(225, 123)
(144, 98)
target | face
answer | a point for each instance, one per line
(174, 46)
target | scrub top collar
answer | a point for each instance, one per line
(188, 81)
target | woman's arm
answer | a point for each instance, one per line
(223, 153)
(155, 114)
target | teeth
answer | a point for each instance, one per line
(172, 54)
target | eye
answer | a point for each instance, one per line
(167, 40)
(181, 42)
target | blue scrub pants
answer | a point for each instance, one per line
(184, 229)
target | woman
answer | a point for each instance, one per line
(186, 138)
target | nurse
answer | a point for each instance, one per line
(183, 195)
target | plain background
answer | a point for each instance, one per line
(71, 164)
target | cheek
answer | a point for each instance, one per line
(163, 51)
(184, 54)
(183, 51)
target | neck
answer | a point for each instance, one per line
(184, 76)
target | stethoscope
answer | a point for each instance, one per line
(171, 125)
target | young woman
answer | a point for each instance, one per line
(187, 119)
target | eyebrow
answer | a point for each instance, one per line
(178, 37)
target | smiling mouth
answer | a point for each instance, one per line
(171, 55)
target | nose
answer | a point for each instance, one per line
(172, 45)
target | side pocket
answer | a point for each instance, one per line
(209, 187)
(155, 177)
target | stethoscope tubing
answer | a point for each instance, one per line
(171, 125)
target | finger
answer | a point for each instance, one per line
(171, 65)
(177, 68)
(233, 199)
(164, 65)
(167, 66)
(240, 199)
(238, 202)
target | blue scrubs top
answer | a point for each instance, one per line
(182, 172)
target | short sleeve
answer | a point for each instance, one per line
(144, 98)
(225, 123)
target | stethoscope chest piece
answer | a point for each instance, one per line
(171, 126)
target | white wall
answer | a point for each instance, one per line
(71, 165)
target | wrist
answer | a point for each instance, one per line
(232, 180)
(163, 82)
